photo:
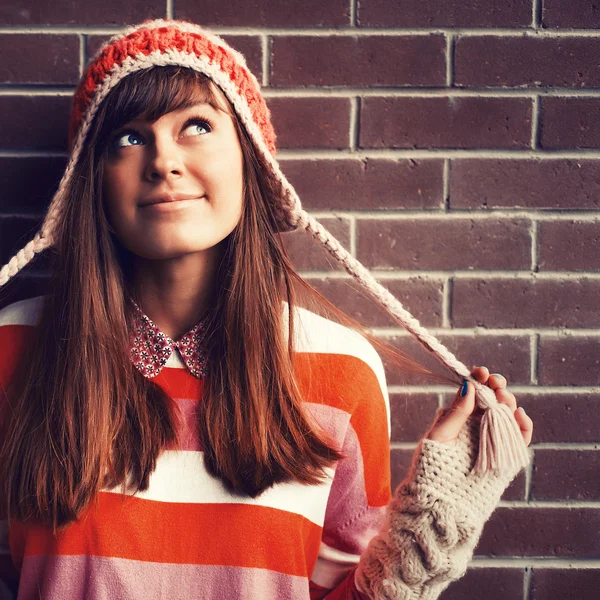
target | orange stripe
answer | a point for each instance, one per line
(349, 384)
(209, 534)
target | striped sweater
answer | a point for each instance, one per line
(186, 536)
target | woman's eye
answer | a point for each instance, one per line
(127, 139)
(196, 127)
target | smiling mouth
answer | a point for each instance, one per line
(170, 200)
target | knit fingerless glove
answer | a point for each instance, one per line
(432, 523)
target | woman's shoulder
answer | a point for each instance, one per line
(24, 312)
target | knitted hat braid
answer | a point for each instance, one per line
(165, 42)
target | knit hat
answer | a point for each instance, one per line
(168, 42)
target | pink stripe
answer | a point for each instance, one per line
(99, 578)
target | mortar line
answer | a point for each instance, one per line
(527, 583)
(450, 43)
(533, 231)
(82, 53)
(535, 123)
(536, 18)
(446, 185)
(534, 349)
(342, 31)
(353, 12)
(265, 42)
(530, 390)
(170, 9)
(434, 275)
(447, 303)
(354, 130)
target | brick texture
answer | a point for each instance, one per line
(565, 584)
(452, 13)
(370, 184)
(358, 61)
(570, 123)
(569, 360)
(28, 183)
(563, 418)
(455, 122)
(38, 58)
(566, 475)
(34, 122)
(527, 61)
(69, 12)
(422, 298)
(265, 13)
(444, 244)
(412, 415)
(550, 532)
(525, 303)
(569, 246)
(499, 584)
(311, 122)
(506, 354)
(534, 184)
(580, 14)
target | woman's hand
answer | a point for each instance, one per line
(448, 426)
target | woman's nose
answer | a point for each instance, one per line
(165, 160)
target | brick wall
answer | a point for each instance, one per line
(454, 147)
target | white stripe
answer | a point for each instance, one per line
(24, 312)
(332, 566)
(181, 477)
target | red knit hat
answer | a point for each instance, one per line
(162, 43)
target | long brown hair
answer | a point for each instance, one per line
(82, 417)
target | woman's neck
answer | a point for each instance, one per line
(175, 293)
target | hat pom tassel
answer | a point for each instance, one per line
(501, 445)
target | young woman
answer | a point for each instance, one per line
(173, 423)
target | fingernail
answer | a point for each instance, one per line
(465, 389)
(522, 410)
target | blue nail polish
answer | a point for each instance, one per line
(465, 389)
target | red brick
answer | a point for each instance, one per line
(579, 14)
(525, 303)
(311, 122)
(28, 184)
(570, 123)
(265, 13)
(506, 183)
(570, 583)
(506, 354)
(541, 532)
(308, 254)
(412, 415)
(444, 244)
(563, 418)
(455, 122)
(499, 584)
(249, 45)
(450, 13)
(569, 361)
(569, 245)
(358, 61)
(400, 463)
(34, 122)
(39, 58)
(23, 286)
(423, 298)
(566, 475)
(527, 61)
(108, 12)
(370, 184)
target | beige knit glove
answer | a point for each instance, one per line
(432, 523)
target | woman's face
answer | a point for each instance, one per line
(174, 186)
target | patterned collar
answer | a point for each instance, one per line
(151, 348)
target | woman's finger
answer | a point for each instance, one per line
(447, 428)
(525, 425)
(506, 397)
(497, 381)
(480, 374)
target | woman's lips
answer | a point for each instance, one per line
(169, 198)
